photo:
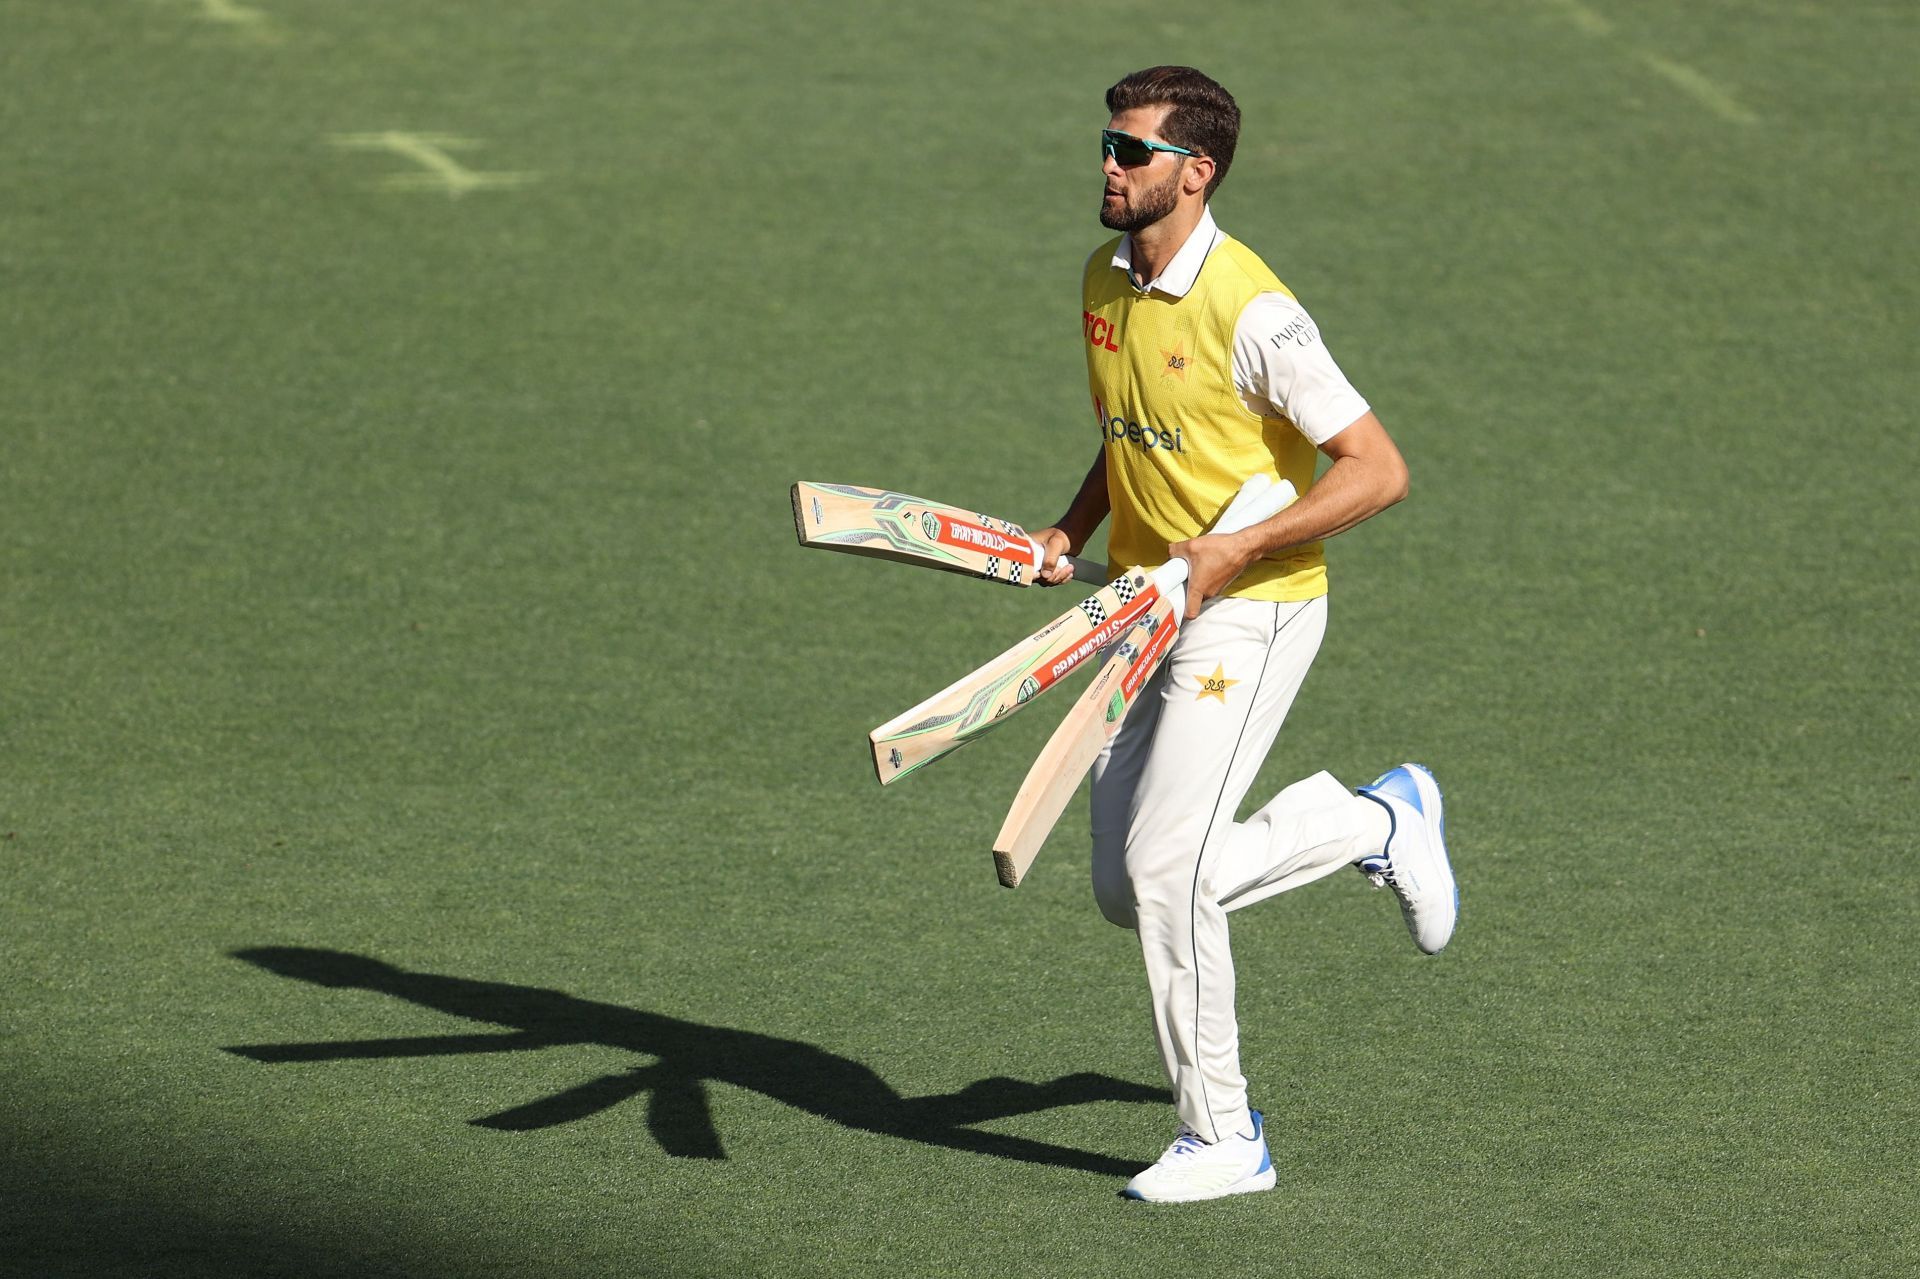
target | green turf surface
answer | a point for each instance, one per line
(403, 577)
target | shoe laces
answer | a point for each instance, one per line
(1187, 1143)
(1378, 870)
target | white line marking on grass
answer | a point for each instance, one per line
(1702, 90)
(245, 23)
(229, 11)
(429, 151)
(1679, 74)
(250, 25)
(1581, 16)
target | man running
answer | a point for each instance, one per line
(1204, 370)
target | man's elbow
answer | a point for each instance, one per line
(1393, 484)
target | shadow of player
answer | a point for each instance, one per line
(688, 1056)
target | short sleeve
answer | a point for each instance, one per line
(1281, 366)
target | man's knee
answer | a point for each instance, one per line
(1129, 883)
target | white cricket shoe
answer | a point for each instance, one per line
(1414, 863)
(1194, 1169)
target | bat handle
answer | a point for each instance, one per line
(1082, 570)
(1171, 578)
(1259, 499)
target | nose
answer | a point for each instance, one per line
(1109, 165)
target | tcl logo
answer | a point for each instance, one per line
(1100, 333)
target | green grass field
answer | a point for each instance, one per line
(406, 653)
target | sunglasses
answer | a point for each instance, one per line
(1130, 152)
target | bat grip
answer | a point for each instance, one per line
(1082, 570)
(1256, 502)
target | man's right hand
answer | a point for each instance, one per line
(1057, 548)
(1084, 514)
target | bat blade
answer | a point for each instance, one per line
(886, 525)
(982, 699)
(1103, 706)
(1085, 730)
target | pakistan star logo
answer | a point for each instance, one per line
(1176, 359)
(1216, 685)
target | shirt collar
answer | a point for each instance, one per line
(1181, 273)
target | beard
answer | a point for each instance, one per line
(1149, 207)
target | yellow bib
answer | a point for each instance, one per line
(1179, 439)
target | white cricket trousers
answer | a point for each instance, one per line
(1169, 861)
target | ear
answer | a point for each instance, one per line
(1199, 172)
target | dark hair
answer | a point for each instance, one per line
(1205, 118)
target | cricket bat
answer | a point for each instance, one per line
(1070, 752)
(912, 530)
(1098, 713)
(979, 701)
